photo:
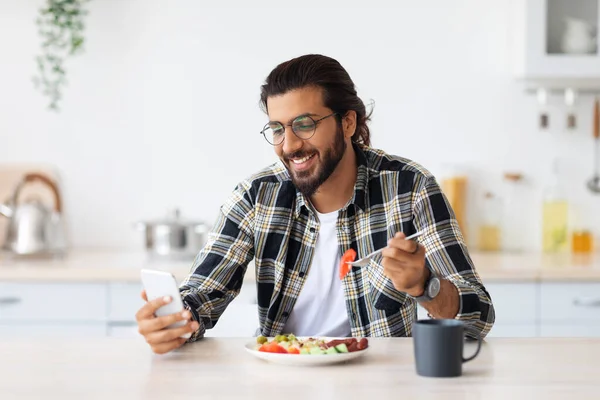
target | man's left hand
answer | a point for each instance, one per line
(404, 263)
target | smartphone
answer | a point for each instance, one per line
(160, 284)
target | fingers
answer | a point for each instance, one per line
(150, 307)
(399, 242)
(155, 324)
(165, 347)
(169, 335)
(143, 295)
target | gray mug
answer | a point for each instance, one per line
(438, 345)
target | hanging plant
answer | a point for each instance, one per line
(60, 24)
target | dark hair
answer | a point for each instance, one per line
(339, 93)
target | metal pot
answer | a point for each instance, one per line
(174, 237)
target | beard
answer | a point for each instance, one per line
(308, 182)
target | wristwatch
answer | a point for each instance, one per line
(432, 288)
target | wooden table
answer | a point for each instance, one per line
(221, 369)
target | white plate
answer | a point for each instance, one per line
(304, 359)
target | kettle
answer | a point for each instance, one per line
(33, 227)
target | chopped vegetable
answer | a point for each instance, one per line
(290, 344)
(348, 256)
(261, 340)
(272, 347)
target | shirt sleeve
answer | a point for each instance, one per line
(218, 271)
(447, 256)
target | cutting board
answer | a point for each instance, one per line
(11, 175)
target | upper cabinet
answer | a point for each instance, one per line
(555, 41)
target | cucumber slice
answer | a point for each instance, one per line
(316, 350)
(304, 351)
(341, 348)
(331, 350)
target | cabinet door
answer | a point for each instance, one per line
(124, 301)
(53, 302)
(514, 303)
(238, 320)
(35, 330)
(123, 330)
(513, 330)
(516, 308)
(555, 47)
(570, 330)
(570, 303)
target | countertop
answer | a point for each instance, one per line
(220, 368)
(123, 266)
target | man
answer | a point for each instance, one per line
(329, 192)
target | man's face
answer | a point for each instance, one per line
(310, 162)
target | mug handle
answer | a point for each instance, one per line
(476, 352)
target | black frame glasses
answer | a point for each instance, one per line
(303, 126)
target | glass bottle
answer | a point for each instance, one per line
(490, 231)
(555, 211)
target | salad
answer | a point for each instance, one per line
(290, 344)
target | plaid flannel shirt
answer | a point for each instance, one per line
(268, 219)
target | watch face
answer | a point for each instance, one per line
(433, 288)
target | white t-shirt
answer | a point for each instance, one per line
(320, 309)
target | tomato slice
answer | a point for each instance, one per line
(272, 348)
(348, 256)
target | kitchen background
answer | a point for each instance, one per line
(161, 111)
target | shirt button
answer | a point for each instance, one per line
(285, 314)
(301, 274)
(353, 316)
(312, 230)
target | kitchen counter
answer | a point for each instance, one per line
(220, 368)
(124, 266)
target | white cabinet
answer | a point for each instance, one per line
(80, 309)
(570, 309)
(86, 309)
(34, 330)
(570, 302)
(38, 302)
(123, 331)
(516, 308)
(514, 330)
(124, 301)
(240, 318)
(555, 39)
(41, 310)
(570, 330)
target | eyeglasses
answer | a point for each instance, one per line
(303, 127)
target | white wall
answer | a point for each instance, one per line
(162, 109)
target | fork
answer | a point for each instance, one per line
(365, 260)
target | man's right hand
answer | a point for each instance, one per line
(153, 328)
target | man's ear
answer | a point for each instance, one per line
(349, 123)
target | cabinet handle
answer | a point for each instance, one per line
(9, 300)
(587, 302)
